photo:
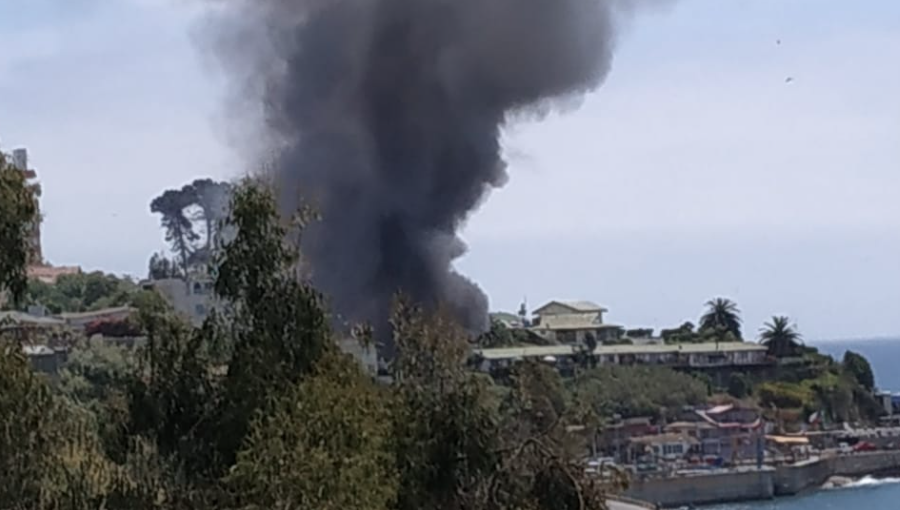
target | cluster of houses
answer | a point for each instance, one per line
(46, 339)
(576, 328)
(714, 434)
(564, 332)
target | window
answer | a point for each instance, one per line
(200, 310)
(565, 337)
(673, 449)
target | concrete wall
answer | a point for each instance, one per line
(724, 487)
(790, 480)
(793, 479)
(720, 487)
(866, 463)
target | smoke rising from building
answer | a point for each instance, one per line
(386, 116)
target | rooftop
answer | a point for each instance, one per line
(96, 313)
(21, 319)
(663, 438)
(575, 306)
(689, 425)
(37, 350)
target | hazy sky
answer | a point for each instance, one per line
(696, 171)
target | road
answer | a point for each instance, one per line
(621, 505)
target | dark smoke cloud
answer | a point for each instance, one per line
(386, 116)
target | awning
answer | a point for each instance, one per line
(789, 440)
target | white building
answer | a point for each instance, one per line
(574, 322)
(699, 355)
(192, 299)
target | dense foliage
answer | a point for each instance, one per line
(82, 292)
(639, 391)
(259, 409)
(17, 211)
(858, 366)
(499, 335)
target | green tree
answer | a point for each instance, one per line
(213, 198)
(17, 211)
(179, 230)
(161, 267)
(738, 385)
(277, 327)
(786, 396)
(26, 437)
(638, 391)
(859, 368)
(722, 315)
(82, 292)
(452, 448)
(498, 336)
(781, 337)
(323, 444)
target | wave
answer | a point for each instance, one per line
(870, 481)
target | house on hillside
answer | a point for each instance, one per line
(669, 447)
(574, 322)
(687, 356)
(44, 359)
(568, 308)
(81, 320)
(192, 299)
(613, 438)
(508, 320)
(728, 431)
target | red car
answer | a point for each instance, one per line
(864, 446)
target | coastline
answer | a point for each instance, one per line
(752, 484)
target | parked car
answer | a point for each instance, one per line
(864, 446)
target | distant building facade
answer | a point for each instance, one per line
(574, 322)
(37, 268)
(727, 431)
(81, 320)
(192, 298)
(19, 159)
(698, 355)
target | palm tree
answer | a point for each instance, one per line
(781, 337)
(722, 315)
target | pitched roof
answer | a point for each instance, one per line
(688, 425)
(507, 319)
(669, 437)
(37, 350)
(19, 319)
(575, 306)
(96, 313)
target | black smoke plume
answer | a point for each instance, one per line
(386, 116)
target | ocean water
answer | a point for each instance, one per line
(865, 494)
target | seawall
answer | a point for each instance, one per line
(708, 488)
(751, 484)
